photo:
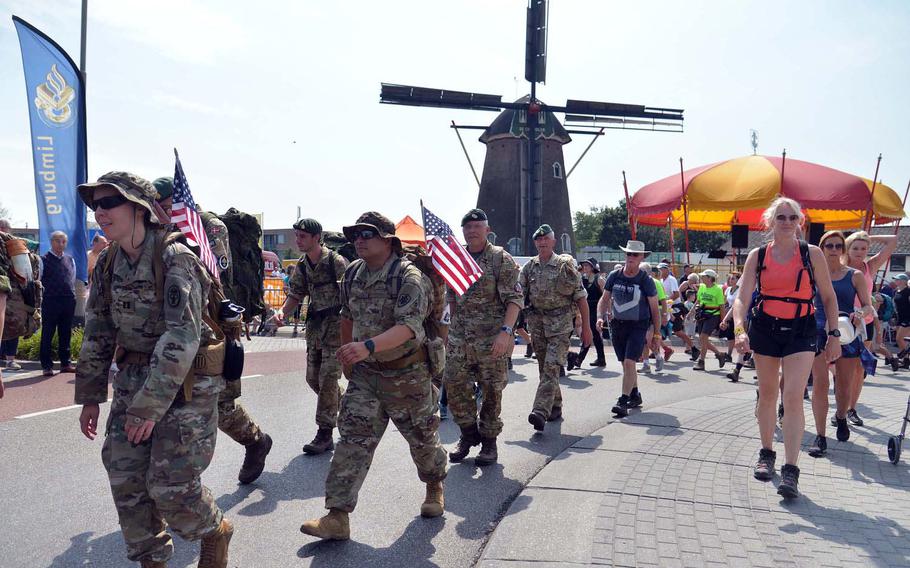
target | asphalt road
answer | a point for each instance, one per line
(56, 507)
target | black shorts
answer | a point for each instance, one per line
(708, 324)
(677, 324)
(629, 338)
(776, 337)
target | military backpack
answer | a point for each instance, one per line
(246, 287)
(23, 303)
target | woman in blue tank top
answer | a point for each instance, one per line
(848, 284)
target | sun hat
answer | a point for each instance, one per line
(635, 246)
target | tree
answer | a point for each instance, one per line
(4, 212)
(612, 224)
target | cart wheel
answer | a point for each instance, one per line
(894, 449)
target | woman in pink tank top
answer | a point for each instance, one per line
(857, 249)
(782, 332)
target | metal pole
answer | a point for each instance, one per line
(672, 248)
(783, 166)
(869, 212)
(465, 150)
(572, 169)
(84, 37)
(682, 177)
(625, 188)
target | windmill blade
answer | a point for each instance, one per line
(592, 114)
(441, 98)
(536, 42)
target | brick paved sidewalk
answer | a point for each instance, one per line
(673, 486)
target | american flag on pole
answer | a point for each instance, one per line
(185, 217)
(452, 261)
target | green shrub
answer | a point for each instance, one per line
(30, 349)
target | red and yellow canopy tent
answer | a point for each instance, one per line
(409, 232)
(736, 192)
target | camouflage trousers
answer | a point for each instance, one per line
(322, 373)
(233, 419)
(372, 398)
(551, 349)
(156, 484)
(467, 364)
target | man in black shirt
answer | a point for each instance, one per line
(902, 305)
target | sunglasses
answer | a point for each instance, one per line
(633, 254)
(109, 202)
(834, 246)
(791, 218)
(365, 234)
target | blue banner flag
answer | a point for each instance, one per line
(56, 108)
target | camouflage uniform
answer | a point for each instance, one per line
(233, 419)
(477, 317)
(552, 289)
(155, 484)
(323, 329)
(406, 396)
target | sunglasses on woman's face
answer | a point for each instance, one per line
(834, 246)
(791, 218)
(108, 203)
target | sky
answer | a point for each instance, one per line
(274, 105)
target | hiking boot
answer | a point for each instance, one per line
(323, 442)
(333, 526)
(789, 482)
(555, 414)
(621, 408)
(843, 431)
(488, 454)
(764, 467)
(571, 361)
(733, 375)
(905, 363)
(48, 372)
(854, 418)
(68, 368)
(470, 437)
(895, 364)
(13, 366)
(537, 420)
(722, 359)
(152, 564)
(435, 501)
(529, 351)
(819, 447)
(695, 353)
(635, 398)
(598, 363)
(214, 551)
(699, 365)
(750, 363)
(646, 368)
(659, 363)
(254, 461)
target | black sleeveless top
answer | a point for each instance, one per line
(594, 291)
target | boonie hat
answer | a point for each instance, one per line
(136, 189)
(372, 220)
(595, 265)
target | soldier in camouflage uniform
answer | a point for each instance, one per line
(160, 433)
(480, 341)
(552, 284)
(386, 362)
(233, 418)
(318, 273)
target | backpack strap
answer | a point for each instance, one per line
(347, 281)
(807, 267)
(394, 278)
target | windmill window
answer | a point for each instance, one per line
(565, 243)
(557, 170)
(492, 238)
(514, 246)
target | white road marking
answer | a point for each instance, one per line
(49, 411)
(250, 376)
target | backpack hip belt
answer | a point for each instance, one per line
(323, 313)
(418, 356)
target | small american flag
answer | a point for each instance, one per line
(185, 218)
(452, 261)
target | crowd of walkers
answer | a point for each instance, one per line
(801, 315)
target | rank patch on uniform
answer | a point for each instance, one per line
(403, 300)
(222, 262)
(518, 287)
(173, 296)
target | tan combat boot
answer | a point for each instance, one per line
(214, 553)
(333, 526)
(434, 504)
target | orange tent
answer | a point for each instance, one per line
(410, 232)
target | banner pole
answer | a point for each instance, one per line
(685, 199)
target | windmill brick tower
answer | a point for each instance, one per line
(503, 185)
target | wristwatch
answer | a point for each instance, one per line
(371, 347)
(507, 329)
(834, 333)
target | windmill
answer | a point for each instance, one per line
(524, 179)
